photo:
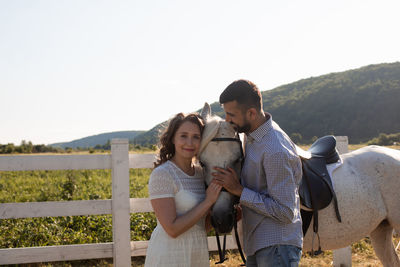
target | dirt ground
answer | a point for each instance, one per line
(326, 259)
(362, 256)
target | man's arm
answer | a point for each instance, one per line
(280, 201)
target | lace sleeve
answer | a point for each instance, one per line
(161, 184)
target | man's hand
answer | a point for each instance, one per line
(228, 179)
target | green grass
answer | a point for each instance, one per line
(36, 186)
(28, 186)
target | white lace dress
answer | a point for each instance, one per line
(189, 248)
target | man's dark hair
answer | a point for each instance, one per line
(246, 94)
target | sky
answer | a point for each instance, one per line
(75, 68)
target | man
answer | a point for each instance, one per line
(271, 173)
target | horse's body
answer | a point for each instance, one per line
(367, 187)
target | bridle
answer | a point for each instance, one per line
(241, 158)
(231, 139)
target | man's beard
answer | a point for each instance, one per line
(244, 129)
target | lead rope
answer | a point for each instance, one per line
(220, 252)
(242, 150)
(238, 240)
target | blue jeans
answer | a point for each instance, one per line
(275, 256)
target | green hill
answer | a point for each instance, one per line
(100, 139)
(150, 137)
(359, 103)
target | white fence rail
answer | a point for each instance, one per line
(120, 206)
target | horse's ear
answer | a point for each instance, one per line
(206, 111)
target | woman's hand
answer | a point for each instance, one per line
(212, 192)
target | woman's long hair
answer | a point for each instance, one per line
(167, 147)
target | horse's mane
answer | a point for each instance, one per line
(209, 132)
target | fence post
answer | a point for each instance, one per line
(120, 203)
(342, 256)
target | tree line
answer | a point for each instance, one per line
(29, 148)
(26, 147)
(382, 140)
(385, 140)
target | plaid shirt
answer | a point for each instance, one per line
(270, 201)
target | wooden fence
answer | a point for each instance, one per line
(120, 206)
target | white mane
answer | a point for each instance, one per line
(209, 132)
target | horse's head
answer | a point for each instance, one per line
(220, 147)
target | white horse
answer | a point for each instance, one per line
(220, 147)
(367, 187)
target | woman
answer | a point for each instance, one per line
(179, 199)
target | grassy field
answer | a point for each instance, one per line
(25, 186)
(30, 186)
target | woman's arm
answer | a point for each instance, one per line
(174, 225)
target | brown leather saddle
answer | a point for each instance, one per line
(316, 189)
